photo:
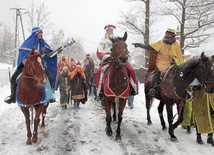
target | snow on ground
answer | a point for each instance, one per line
(82, 132)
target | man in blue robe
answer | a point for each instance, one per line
(34, 40)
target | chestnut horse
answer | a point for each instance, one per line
(173, 84)
(116, 83)
(30, 91)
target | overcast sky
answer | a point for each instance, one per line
(83, 19)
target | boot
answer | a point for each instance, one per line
(199, 140)
(155, 83)
(12, 98)
(210, 139)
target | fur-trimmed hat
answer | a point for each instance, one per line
(109, 26)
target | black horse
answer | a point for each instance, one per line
(173, 84)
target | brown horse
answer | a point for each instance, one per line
(173, 84)
(30, 91)
(116, 83)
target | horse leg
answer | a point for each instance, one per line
(38, 110)
(108, 129)
(44, 110)
(120, 118)
(170, 120)
(180, 110)
(27, 121)
(148, 106)
(114, 112)
(160, 112)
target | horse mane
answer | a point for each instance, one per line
(191, 63)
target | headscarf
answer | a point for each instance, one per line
(33, 41)
(75, 71)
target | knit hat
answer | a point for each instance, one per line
(65, 68)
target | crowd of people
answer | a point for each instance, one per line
(70, 79)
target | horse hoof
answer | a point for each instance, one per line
(108, 132)
(34, 139)
(42, 130)
(28, 143)
(149, 123)
(118, 138)
(164, 128)
(174, 139)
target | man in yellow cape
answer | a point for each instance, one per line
(168, 51)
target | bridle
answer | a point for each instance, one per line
(32, 75)
(114, 55)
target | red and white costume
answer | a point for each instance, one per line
(103, 53)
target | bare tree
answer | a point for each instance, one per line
(76, 50)
(195, 18)
(38, 15)
(137, 21)
(6, 44)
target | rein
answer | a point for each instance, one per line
(113, 54)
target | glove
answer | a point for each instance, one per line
(196, 87)
(137, 44)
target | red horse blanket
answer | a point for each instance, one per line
(107, 89)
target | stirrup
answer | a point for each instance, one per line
(151, 92)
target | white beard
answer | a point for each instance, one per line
(109, 36)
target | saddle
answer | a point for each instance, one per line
(166, 86)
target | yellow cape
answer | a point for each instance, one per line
(175, 51)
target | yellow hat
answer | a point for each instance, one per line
(172, 31)
(65, 68)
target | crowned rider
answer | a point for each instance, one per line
(103, 53)
(168, 52)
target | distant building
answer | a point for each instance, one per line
(178, 33)
(187, 55)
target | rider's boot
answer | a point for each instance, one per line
(155, 83)
(12, 98)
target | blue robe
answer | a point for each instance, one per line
(33, 41)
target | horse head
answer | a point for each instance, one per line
(119, 50)
(206, 72)
(34, 67)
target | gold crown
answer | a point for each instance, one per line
(170, 30)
